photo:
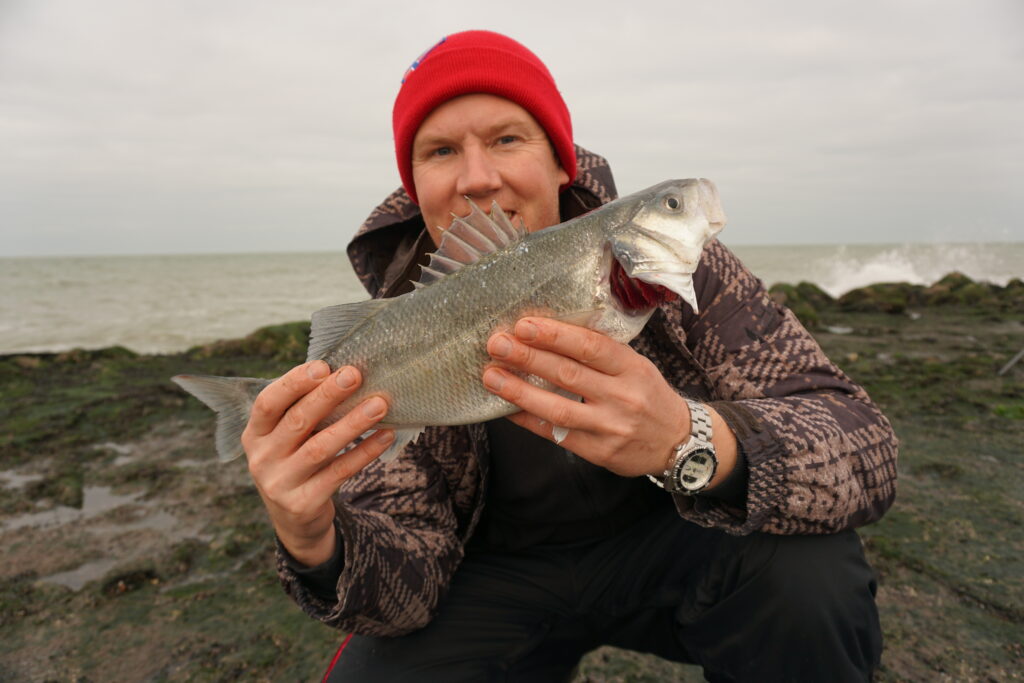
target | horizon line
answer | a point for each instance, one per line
(342, 251)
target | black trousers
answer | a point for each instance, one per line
(749, 608)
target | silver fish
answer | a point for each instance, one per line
(426, 350)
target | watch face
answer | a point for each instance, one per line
(697, 471)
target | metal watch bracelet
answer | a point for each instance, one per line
(700, 429)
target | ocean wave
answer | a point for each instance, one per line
(915, 264)
(839, 268)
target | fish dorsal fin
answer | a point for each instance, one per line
(333, 324)
(486, 233)
(469, 239)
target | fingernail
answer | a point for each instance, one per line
(346, 379)
(501, 347)
(318, 370)
(374, 407)
(385, 436)
(494, 379)
(526, 330)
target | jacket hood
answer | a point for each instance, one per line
(393, 241)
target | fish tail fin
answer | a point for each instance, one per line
(231, 398)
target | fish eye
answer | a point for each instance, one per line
(672, 203)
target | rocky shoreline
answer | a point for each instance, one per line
(131, 554)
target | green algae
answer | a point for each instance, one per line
(55, 402)
(209, 607)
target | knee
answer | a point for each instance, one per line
(796, 608)
(817, 582)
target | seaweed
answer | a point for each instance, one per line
(192, 592)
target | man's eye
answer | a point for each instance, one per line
(443, 151)
(507, 139)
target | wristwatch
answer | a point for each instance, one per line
(693, 462)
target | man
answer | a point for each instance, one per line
(488, 552)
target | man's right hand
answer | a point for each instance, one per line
(297, 471)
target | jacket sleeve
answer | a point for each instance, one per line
(821, 456)
(400, 545)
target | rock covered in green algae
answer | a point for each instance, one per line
(959, 290)
(805, 299)
(886, 297)
(277, 342)
(208, 606)
(808, 301)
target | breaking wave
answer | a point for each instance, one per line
(838, 269)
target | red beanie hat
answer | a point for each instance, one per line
(479, 62)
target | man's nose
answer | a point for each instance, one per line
(479, 176)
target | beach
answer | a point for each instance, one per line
(131, 554)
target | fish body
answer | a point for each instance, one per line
(426, 350)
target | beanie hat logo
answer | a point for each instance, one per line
(418, 60)
(479, 62)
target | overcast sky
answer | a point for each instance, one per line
(158, 126)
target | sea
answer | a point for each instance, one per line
(169, 303)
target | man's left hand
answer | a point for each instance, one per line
(630, 418)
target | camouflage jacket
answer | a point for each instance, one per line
(820, 455)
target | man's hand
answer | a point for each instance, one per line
(296, 471)
(630, 417)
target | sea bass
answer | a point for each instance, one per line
(426, 350)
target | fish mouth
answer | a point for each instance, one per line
(636, 294)
(655, 261)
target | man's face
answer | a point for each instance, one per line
(489, 149)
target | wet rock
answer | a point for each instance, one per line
(65, 488)
(278, 342)
(1011, 297)
(887, 297)
(954, 289)
(88, 356)
(805, 299)
(958, 289)
(125, 580)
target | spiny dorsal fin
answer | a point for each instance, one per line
(469, 239)
(332, 324)
(454, 248)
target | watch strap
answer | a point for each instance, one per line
(700, 421)
(700, 431)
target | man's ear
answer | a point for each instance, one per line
(563, 175)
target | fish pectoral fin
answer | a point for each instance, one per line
(333, 324)
(559, 433)
(403, 437)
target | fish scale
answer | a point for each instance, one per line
(426, 350)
